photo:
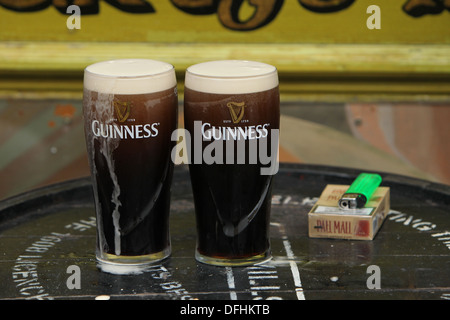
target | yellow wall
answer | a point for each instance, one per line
(320, 55)
(293, 23)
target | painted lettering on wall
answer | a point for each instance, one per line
(264, 11)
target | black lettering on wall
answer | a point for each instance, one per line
(25, 5)
(197, 7)
(132, 6)
(265, 11)
(324, 6)
(418, 8)
(86, 6)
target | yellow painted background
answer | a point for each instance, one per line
(293, 24)
(325, 56)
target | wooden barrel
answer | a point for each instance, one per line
(47, 243)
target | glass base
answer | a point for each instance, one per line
(111, 263)
(240, 262)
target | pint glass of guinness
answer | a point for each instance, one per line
(232, 114)
(130, 110)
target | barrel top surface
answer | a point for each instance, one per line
(46, 233)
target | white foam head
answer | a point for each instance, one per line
(129, 76)
(231, 77)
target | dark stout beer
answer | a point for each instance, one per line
(234, 107)
(130, 111)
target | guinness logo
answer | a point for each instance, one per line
(122, 110)
(236, 110)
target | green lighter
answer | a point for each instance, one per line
(360, 191)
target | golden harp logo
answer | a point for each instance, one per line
(123, 109)
(236, 110)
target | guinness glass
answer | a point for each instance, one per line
(130, 111)
(232, 114)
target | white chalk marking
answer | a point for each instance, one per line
(230, 281)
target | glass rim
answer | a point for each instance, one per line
(238, 64)
(138, 77)
(245, 76)
(88, 69)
